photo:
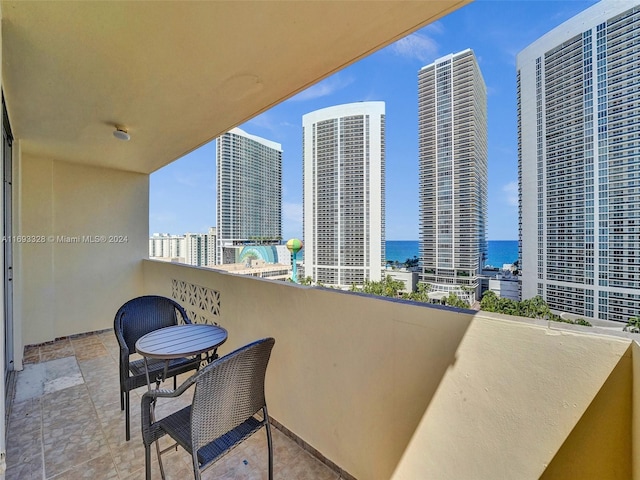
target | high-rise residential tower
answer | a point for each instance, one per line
(579, 163)
(166, 246)
(343, 177)
(249, 190)
(200, 248)
(191, 248)
(452, 133)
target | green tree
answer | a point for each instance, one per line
(489, 302)
(385, 288)
(454, 300)
(534, 307)
(411, 262)
(421, 294)
(633, 325)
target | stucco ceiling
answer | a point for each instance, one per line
(176, 74)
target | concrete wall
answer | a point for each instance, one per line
(70, 285)
(350, 374)
(389, 389)
(515, 395)
(600, 444)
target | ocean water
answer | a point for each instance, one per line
(499, 251)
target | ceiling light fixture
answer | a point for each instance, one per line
(121, 133)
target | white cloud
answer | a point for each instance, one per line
(270, 122)
(511, 193)
(435, 27)
(324, 88)
(264, 120)
(416, 46)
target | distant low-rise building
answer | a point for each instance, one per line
(258, 268)
(167, 247)
(408, 277)
(268, 253)
(505, 285)
(200, 248)
(197, 249)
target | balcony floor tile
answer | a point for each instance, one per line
(65, 423)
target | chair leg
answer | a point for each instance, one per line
(147, 462)
(121, 399)
(175, 382)
(127, 422)
(269, 442)
(196, 467)
(159, 453)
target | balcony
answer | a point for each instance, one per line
(384, 389)
(376, 388)
(65, 422)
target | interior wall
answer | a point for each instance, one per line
(82, 234)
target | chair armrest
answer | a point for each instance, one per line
(124, 364)
(118, 330)
(150, 431)
(124, 349)
(183, 314)
(121, 342)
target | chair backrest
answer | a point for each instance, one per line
(228, 391)
(142, 315)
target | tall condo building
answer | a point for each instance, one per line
(167, 246)
(579, 163)
(200, 248)
(249, 189)
(343, 176)
(452, 135)
(191, 248)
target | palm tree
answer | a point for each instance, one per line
(489, 302)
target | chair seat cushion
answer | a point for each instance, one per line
(178, 426)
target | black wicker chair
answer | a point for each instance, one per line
(227, 401)
(134, 319)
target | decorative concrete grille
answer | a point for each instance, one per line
(201, 303)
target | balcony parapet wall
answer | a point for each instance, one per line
(394, 389)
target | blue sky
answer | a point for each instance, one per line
(182, 197)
